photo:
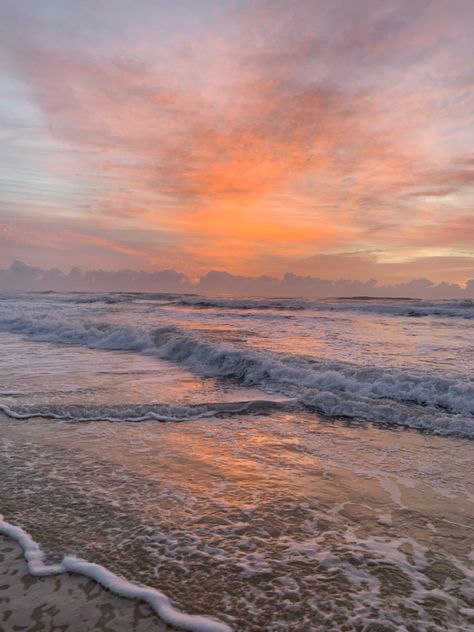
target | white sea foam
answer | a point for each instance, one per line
(157, 600)
(442, 404)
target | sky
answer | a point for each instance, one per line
(330, 139)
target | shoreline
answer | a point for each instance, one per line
(77, 593)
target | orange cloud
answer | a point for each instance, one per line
(295, 131)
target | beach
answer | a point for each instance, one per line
(69, 602)
(237, 316)
(336, 543)
(219, 485)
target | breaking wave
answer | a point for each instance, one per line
(392, 396)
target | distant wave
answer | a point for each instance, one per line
(406, 307)
(245, 304)
(393, 396)
(120, 297)
(463, 308)
(108, 298)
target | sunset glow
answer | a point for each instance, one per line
(254, 137)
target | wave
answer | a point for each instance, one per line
(158, 601)
(388, 396)
(121, 297)
(108, 298)
(405, 307)
(462, 308)
(392, 396)
(145, 412)
(244, 304)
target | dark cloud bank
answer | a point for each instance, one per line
(20, 276)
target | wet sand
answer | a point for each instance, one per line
(66, 603)
(267, 524)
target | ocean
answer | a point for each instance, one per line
(270, 464)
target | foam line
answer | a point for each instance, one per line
(160, 603)
(146, 412)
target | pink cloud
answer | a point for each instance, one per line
(313, 128)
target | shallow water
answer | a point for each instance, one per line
(254, 508)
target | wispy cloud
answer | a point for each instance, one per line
(260, 132)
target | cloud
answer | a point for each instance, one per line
(292, 285)
(21, 276)
(269, 131)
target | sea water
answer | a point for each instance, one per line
(312, 469)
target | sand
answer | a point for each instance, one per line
(64, 603)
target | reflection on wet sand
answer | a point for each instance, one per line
(269, 523)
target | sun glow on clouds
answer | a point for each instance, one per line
(239, 135)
